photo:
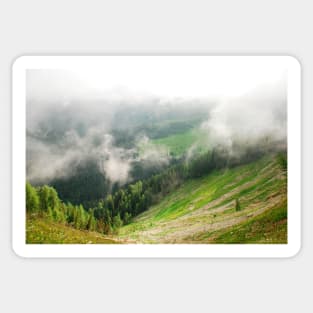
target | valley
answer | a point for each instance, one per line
(244, 204)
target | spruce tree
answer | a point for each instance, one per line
(32, 199)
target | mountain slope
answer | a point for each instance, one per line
(246, 204)
(42, 230)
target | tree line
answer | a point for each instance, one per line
(118, 208)
(44, 202)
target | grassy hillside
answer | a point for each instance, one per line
(245, 204)
(39, 230)
(178, 144)
(204, 210)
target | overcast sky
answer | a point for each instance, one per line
(118, 77)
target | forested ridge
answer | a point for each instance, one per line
(118, 208)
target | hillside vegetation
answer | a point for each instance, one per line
(178, 144)
(240, 204)
(43, 230)
(245, 204)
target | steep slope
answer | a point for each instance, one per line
(246, 204)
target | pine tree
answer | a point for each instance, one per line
(117, 223)
(44, 193)
(32, 199)
(127, 218)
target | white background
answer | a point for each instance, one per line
(98, 27)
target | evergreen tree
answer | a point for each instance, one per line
(32, 199)
(44, 193)
(127, 218)
(237, 205)
(117, 223)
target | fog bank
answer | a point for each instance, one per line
(70, 121)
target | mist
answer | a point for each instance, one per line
(260, 114)
(71, 121)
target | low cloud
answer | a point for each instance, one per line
(258, 115)
(48, 161)
(70, 124)
(151, 153)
